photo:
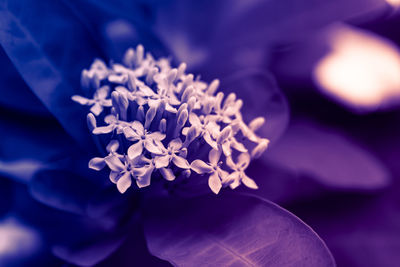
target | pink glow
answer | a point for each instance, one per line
(362, 70)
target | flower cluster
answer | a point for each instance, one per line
(162, 121)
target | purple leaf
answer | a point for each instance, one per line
(230, 230)
(329, 157)
(15, 94)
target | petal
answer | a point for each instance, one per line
(154, 146)
(214, 182)
(244, 160)
(112, 146)
(145, 180)
(180, 162)
(138, 127)
(162, 161)
(225, 133)
(124, 182)
(97, 164)
(110, 119)
(156, 136)
(194, 120)
(175, 144)
(135, 150)
(168, 174)
(80, 99)
(230, 163)
(209, 140)
(130, 134)
(102, 92)
(103, 129)
(214, 156)
(238, 146)
(114, 176)
(260, 148)
(200, 167)
(234, 184)
(249, 182)
(231, 230)
(96, 109)
(114, 163)
(226, 148)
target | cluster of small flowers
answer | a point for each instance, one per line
(160, 118)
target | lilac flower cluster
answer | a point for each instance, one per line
(159, 119)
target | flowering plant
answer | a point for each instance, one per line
(167, 117)
(150, 123)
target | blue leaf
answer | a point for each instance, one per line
(49, 47)
(15, 94)
(230, 231)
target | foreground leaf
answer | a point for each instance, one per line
(231, 231)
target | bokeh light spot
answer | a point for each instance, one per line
(16, 239)
(362, 70)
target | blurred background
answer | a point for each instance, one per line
(325, 74)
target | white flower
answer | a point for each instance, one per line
(113, 124)
(175, 153)
(164, 118)
(217, 175)
(151, 141)
(238, 176)
(98, 102)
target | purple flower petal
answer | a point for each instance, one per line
(124, 182)
(181, 162)
(114, 163)
(135, 150)
(200, 166)
(231, 230)
(168, 174)
(162, 161)
(214, 182)
(97, 164)
(104, 129)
